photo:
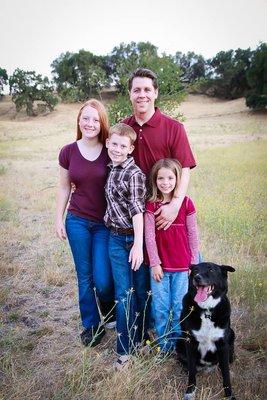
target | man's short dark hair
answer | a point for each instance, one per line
(143, 73)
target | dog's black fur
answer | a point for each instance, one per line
(205, 322)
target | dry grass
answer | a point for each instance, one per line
(41, 355)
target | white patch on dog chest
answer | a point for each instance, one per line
(207, 335)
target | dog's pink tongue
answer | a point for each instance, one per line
(202, 294)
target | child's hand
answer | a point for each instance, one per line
(136, 257)
(157, 273)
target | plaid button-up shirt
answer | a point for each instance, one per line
(125, 194)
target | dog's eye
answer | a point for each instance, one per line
(211, 270)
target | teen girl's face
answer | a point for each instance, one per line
(89, 123)
(166, 181)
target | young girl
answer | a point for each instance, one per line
(170, 252)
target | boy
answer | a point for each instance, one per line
(125, 195)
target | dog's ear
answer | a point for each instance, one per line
(192, 266)
(227, 268)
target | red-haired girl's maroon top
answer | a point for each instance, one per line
(89, 177)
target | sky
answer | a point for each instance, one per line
(35, 32)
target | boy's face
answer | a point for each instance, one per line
(143, 95)
(118, 148)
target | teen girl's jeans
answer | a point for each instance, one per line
(89, 245)
(131, 293)
(167, 296)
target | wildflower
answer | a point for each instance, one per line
(148, 342)
(158, 349)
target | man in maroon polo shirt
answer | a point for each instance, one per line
(158, 136)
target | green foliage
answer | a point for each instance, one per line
(169, 105)
(80, 75)
(69, 94)
(3, 80)
(119, 109)
(228, 73)
(27, 87)
(257, 79)
(125, 58)
(193, 66)
(256, 101)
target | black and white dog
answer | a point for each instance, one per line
(205, 321)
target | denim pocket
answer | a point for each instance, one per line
(129, 242)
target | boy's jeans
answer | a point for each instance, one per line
(89, 245)
(131, 292)
(167, 296)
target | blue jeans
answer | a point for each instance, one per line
(131, 293)
(167, 296)
(89, 245)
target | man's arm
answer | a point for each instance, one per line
(167, 213)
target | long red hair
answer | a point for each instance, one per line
(103, 118)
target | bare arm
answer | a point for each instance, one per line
(63, 195)
(136, 254)
(167, 213)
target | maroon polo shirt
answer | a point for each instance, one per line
(89, 177)
(160, 137)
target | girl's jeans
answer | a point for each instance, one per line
(167, 296)
(89, 245)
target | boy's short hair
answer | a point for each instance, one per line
(143, 73)
(122, 129)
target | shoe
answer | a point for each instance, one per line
(110, 325)
(92, 336)
(122, 363)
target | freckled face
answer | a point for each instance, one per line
(89, 122)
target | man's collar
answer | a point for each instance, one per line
(153, 121)
(129, 161)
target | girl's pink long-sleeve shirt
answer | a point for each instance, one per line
(178, 246)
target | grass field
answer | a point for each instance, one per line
(41, 354)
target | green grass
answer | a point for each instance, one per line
(229, 189)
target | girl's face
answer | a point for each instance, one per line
(89, 123)
(166, 182)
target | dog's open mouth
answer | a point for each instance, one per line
(203, 293)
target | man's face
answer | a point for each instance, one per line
(143, 95)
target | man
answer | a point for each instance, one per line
(158, 136)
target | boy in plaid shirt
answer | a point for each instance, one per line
(125, 194)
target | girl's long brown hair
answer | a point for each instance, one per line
(169, 163)
(103, 118)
